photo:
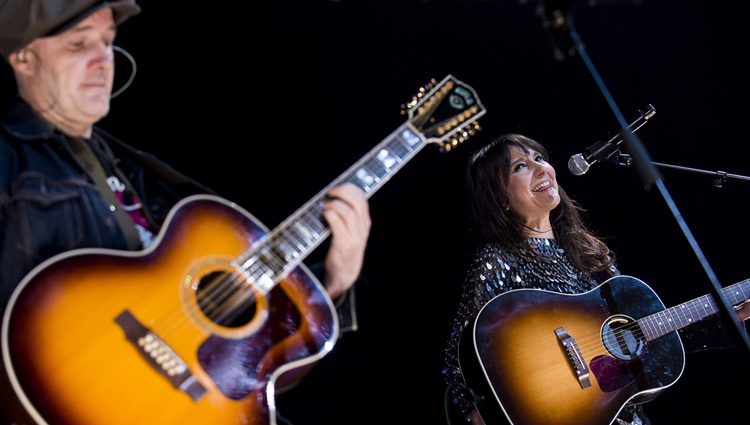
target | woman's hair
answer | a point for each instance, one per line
(494, 222)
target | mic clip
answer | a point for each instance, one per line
(619, 158)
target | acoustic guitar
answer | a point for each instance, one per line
(545, 358)
(211, 321)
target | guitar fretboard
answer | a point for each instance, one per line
(687, 313)
(287, 245)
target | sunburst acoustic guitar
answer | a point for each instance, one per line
(211, 321)
(545, 358)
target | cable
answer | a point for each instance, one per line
(133, 71)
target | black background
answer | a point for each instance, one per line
(267, 102)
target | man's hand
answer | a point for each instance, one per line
(348, 215)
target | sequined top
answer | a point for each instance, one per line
(494, 270)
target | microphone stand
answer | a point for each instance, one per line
(646, 168)
(720, 177)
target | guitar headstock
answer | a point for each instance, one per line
(445, 112)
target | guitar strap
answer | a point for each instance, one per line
(89, 160)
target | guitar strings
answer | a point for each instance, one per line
(280, 265)
(288, 235)
(596, 342)
(221, 289)
(688, 313)
(637, 329)
(593, 344)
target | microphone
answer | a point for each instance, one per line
(579, 163)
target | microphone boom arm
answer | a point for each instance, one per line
(639, 122)
(608, 150)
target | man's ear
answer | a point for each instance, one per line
(21, 60)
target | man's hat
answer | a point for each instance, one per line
(21, 21)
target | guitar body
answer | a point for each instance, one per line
(526, 371)
(75, 336)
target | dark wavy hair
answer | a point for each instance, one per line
(493, 222)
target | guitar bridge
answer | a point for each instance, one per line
(575, 357)
(160, 356)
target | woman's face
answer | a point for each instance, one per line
(532, 186)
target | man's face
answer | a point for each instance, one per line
(72, 78)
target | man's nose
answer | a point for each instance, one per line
(103, 55)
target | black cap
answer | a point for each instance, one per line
(22, 21)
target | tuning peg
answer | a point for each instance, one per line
(422, 92)
(451, 143)
(460, 137)
(409, 105)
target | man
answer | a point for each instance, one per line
(66, 184)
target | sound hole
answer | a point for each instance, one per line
(226, 299)
(622, 337)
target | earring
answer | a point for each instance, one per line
(21, 56)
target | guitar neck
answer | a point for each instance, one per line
(286, 246)
(443, 113)
(687, 313)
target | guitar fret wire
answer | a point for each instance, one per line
(315, 225)
(291, 236)
(375, 167)
(705, 301)
(396, 146)
(292, 230)
(746, 285)
(303, 232)
(314, 218)
(651, 325)
(300, 243)
(671, 318)
(658, 321)
(287, 247)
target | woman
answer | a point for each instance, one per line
(532, 233)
